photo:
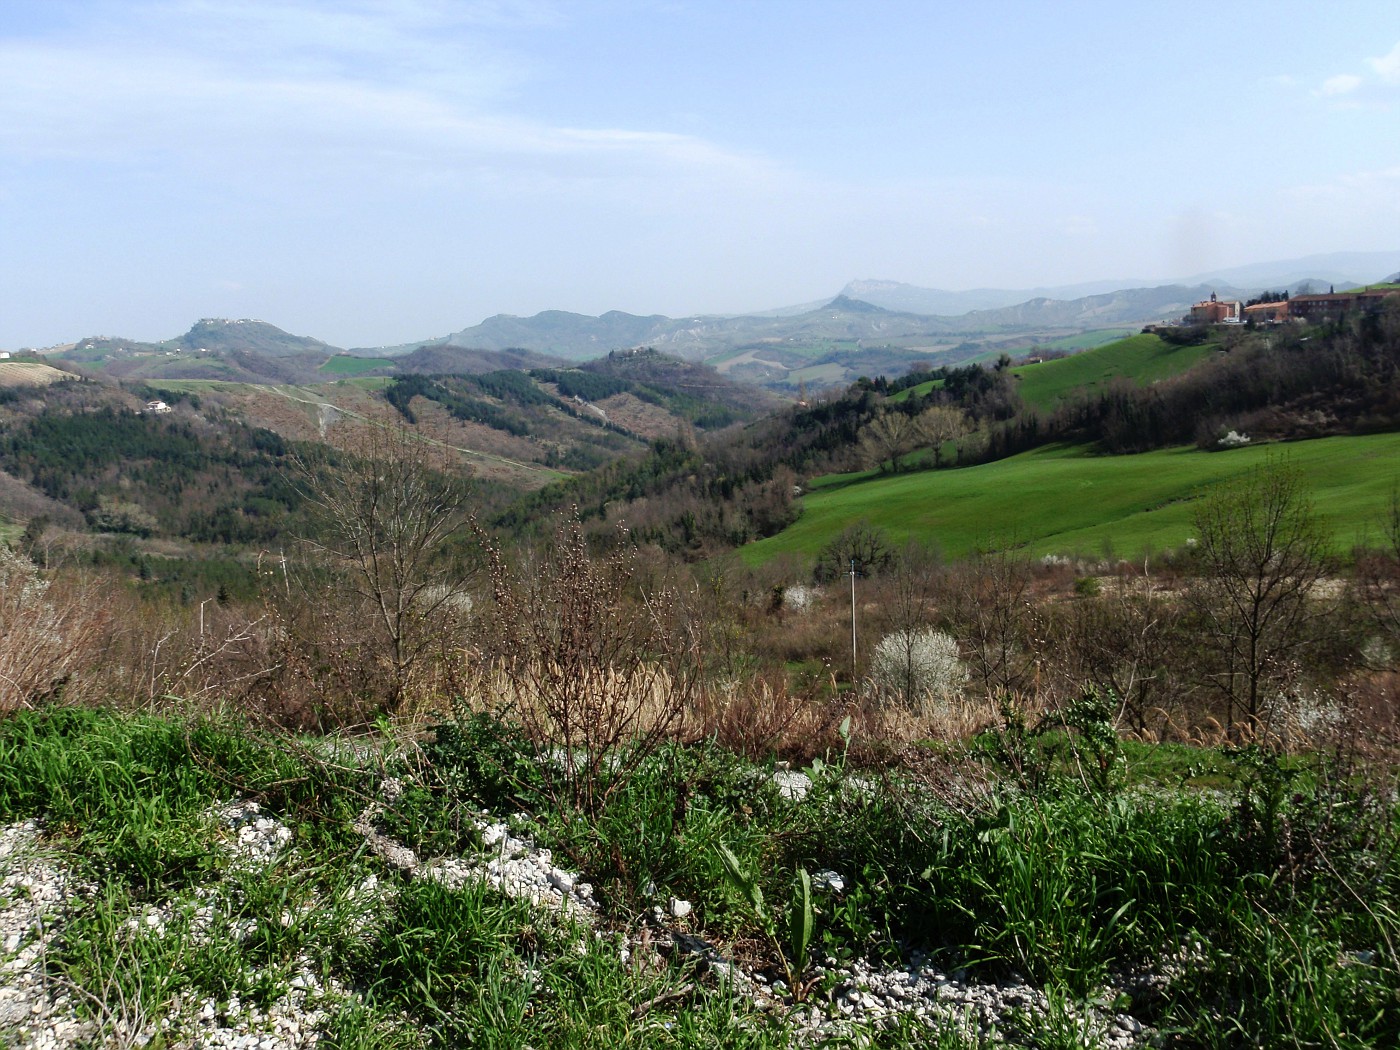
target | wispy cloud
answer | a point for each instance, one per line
(1373, 82)
(312, 86)
(1342, 84)
(1387, 67)
(1369, 198)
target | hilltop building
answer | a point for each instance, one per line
(1217, 311)
(1305, 309)
(1316, 309)
(1267, 313)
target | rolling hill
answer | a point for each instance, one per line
(1065, 500)
(1139, 359)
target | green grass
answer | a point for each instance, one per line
(921, 390)
(1042, 875)
(1063, 499)
(342, 365)
(1087, 340)
(1142, 359)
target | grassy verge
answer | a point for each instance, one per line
(1263, 911)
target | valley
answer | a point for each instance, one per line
(982, 700)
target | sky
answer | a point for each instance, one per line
(373, 173)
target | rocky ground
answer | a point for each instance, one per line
(39, 894)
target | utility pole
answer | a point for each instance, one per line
(852, 575)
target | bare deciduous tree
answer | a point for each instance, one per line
(382, 520)
(939, 425)
(890, 436)
(996, 621)
(1262, 557)
(1127, 643)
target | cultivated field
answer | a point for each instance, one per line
(30, 373)
(349, 366)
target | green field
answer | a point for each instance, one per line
(1087, 340)
(1064, 500)
(921, 390)
(1141, 358)
(828, 373)
(343, 365)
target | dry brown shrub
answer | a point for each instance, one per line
(960, 718)
(203, 656)
(1372, 714)
(327, 667)
(600, 673)
(761, 718)
(54, 632)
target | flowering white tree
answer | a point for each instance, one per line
(919, 668)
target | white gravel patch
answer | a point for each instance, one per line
(514, 866)
(37, 895)
(34, 888)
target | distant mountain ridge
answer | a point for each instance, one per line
(1333, 268)
(842, 319)
(880, 312)
(904, 323)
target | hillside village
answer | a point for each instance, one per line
(1305, 309)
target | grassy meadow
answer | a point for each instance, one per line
(1067, 500)
(341, 365)
(1087, 340)
(1142, 358)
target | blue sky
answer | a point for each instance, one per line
(377, 172)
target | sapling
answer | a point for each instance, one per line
(801, 918)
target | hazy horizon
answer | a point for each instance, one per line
(375, 173)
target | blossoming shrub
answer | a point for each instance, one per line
(921, 669)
